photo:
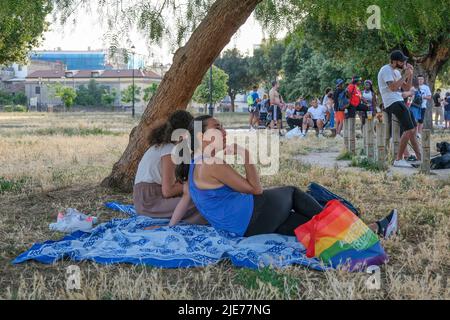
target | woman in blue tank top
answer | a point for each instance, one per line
(232, 202)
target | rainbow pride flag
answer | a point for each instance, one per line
(340, 239)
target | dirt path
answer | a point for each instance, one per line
(328, 160)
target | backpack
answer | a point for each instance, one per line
(354, 99)
(250, 100)
(343, 101)
(417, 100)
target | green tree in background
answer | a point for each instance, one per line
(90, 95)
(150, 91)
(127, 94)
(108, 98)
(307, 72)
(266, 63)
(420, 28)
(7, 98)
(237, 68)
(22, 24)
(66, 94)
(220, 87)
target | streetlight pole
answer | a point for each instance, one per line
(38, 107)
(211, 108)
(134, 89)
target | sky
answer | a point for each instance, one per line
(88, 32)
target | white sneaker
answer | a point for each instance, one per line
(419, 136)
(303, 136)
(402, 164)
(388, 227)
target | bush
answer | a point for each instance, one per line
(8, 108)
(20, 108)
(19, 98)
(16, 186)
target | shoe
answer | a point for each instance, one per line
(303, 136)
(402, 164)
(419, 136)
(388, 226)
(411, 158)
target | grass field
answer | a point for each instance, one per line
(49, 162)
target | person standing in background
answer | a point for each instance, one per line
(276, 106)
(438, 109)
(391, 83)
(426, 96)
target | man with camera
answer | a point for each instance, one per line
(391, 82)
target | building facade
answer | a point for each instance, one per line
(38, 85)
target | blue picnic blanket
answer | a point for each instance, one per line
(182, 246)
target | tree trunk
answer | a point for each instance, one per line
(190, 63)
(233, 98)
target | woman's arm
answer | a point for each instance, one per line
(170, 187)
(182, 207)
(226, 175)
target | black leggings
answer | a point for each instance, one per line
(281, 211)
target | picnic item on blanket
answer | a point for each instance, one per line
(339, 238)
(323, 196)
(72, 220)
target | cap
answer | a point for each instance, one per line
(398, 55)
(356, 79)
(339, 82)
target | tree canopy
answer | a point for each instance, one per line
(22, 24)
(419, 27)
(237, 67)
(220, 87)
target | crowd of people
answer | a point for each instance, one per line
(213, 192)
(358, 98)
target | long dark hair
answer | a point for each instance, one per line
(371, 85)
(182, 170)
(163, 134)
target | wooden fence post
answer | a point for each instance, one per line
(370, 140)
(346, 135)
(426, 152)
(352, 135)
(381, 144)
(395, 136)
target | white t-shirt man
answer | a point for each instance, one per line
(389, 74)
(319, 113)
(149, 170)
(425, 92)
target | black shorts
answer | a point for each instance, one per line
(413, 120)
(315, 123)
(422, 115)
(294, 122)
(276, 112)
(403, 115)
(351, 113)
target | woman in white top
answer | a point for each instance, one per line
(156, 192)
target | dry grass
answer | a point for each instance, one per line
(59, 169)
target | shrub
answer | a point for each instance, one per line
(20, 108)
(8, 108)
(12, 185)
